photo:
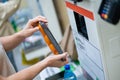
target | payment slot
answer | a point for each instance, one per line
(81, 25)
(110, 11)
(49, 38)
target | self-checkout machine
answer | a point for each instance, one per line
(96, 29)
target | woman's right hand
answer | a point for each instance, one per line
(56, 60)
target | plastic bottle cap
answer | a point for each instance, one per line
(67, 67)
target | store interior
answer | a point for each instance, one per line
(89, 30)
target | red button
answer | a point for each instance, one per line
(103, 15)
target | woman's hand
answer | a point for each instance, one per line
(56, 60)
(31, 26)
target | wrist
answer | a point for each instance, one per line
(45, 63)
(20, 35)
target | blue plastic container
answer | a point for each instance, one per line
(69, 75)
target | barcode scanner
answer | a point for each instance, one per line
(49, 39)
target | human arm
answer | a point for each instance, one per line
(10, 42)
(31, 72)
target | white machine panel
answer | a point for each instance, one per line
(99, 51)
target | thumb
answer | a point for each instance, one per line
(35, 29)
(64, 55)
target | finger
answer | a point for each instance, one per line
(34, 29)
(60, 56)
(41, 17)
(62, 63)
(37, 19)
(66, 61)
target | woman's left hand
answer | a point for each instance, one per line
(31, 26)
